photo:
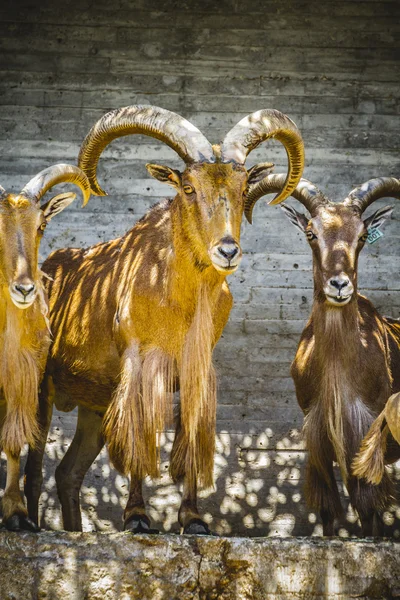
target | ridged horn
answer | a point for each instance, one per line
(306, 192)
(373, 189)
(172, 129)
(46, 179)
(258, 127)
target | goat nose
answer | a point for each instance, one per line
(228, 251)
(339, 283)
(24, 289)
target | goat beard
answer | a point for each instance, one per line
(139, 409)
(194, 446)
(337, 408)
(21, 370)
(142, 405)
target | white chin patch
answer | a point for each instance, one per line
(224, 269)
(22, 305)
(338, 300)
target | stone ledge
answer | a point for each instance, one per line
(96, 566)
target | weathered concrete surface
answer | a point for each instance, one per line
(65, 566)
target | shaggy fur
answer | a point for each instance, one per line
(370, 461)
(337, 398)
(193, 452)
(25, 344)
(345, 368)
(338, 417)
(139, 409)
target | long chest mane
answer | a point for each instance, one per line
(24, 341)
(346, 350)
(349, 346)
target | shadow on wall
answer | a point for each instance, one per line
(258, 489)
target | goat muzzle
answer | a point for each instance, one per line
(226, 255)
(23, 294)
(339, 290)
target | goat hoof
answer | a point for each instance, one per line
(197, 527)
(139, 524)
(20, 523)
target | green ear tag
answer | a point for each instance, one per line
(374, 235)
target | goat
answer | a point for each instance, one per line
(24, 329)
(136, 317)
(381, 445)
(348, 360)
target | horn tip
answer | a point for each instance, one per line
(277, 200)
(249, 216)
(85, 199)
(97, 191)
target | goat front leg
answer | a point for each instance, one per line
(84, 449)
(322, 495)
(369, 500)
(15, 515)
(135, 517)
(188, 516)
(34, 463)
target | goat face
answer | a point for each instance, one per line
(21, 228)
(336, 234)
(211, 196)
(22, 222)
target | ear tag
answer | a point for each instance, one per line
(374, 234)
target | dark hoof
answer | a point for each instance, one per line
(197, 527)
(139, 524)
(20, 523)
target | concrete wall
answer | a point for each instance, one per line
(334, 68)
(93, 566)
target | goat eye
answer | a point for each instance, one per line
(363, 238)
(188, 189)
(310, 235)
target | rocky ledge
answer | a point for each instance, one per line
(96, 566)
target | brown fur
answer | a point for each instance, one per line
(135, 317)
(138, 411)
(369, 463)
(345, 368)
(194, 452)
(25, 344)
(392, 415)
(24, 338)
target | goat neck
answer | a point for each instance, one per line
(190, 269)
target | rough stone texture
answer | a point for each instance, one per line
(334, 68)
(90, 566)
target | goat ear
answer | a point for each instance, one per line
(379, 217)
(164, 174)
(297, 219)
(56, 204)
(258, 172)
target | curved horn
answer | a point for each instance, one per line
(183, 137)
(258, 127)
(306, 192)
(46, 179)
(2, 191)
(373, 189)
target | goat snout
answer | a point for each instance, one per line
(228, 252)
(339, 282)
(23, 294)
(339, 290)
(226, 255)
